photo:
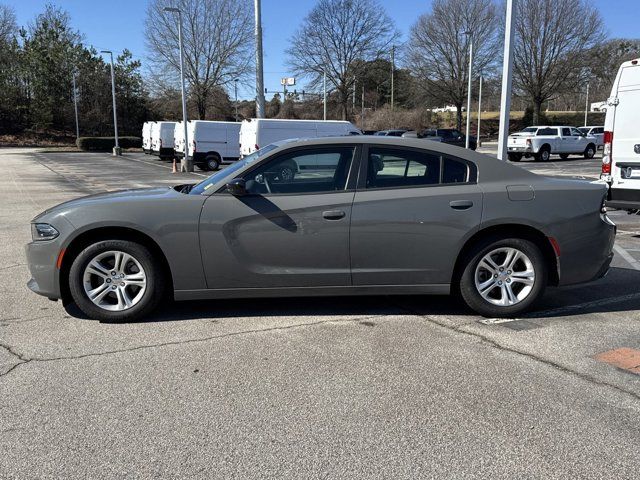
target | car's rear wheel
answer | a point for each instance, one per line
(543, 155)
(212, 162)
(590, 151)
(504, 278)
(514, 157)
(116, 280)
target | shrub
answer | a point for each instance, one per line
(106, 144)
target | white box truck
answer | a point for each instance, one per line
(621, 153)
(146, 137)
(162, 139)
(259, 132)
(210, 143)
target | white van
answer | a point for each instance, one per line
(146, 137)
(259, 132)
(621, 155)
(210, 143)
(162, 139)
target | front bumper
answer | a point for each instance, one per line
(45, 278)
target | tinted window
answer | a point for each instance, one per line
(566, 132)
(391, 167)
(548, 131)
(454, 171)
(303, 171)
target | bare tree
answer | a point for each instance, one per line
(8, 26)
(218, 39)
(438, 50)
(552, 41)
(336, 34)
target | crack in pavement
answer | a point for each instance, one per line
(495, 344)
(26, 359)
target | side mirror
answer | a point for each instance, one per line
(237, 187)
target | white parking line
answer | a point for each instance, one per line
(627, 257)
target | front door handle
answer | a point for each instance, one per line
(333, 214)
(461, 204)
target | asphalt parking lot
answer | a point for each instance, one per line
(373, 387)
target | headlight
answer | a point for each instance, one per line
(43, 231)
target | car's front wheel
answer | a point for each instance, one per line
(504, 278)
(590, 151)
(116, 280)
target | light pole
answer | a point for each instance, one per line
(116, 148)
(507, 72)
(324, 94)
(235, 88)
(75, 102)
(259, 71)
(479, 111)
(393, 67)
(186, 165)
(468, 132)
(586, 105)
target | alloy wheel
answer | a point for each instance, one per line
(114, 281)
(505, 276)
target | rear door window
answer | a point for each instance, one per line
(566, 132)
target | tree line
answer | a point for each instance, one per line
(559, 47)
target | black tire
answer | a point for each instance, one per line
(590, 151)
(564, 156)
(150, 299)
(212, 162)
(477, 302)
(514, 157)
(544, 154)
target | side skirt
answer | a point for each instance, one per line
(437, 289)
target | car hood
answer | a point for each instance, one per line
(111, 197)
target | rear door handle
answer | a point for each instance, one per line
(461, 204)
(333, 214)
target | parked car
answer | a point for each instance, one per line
(448, 135)
(540, 142)
(162, 139)
(595, 132)
(146, 137)
(621, 153)
(258, 132)
(210, 143)
(390, 133)
(378, 216)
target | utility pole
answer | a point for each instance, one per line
(586, 106)
(354, 97)
(75, 102)
(186, 164)
(393, 67)
(479, 111)
(507, 72)
(324, 93)
(468, 132)
(235, 88)
(259, 72)
(116, 148)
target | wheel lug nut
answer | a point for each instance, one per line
(495, 276)
(113, 287)
(108, 280)
(122, 284)
(501, 269)
(113, 273)
(508, 280)
(509, 272)
(499, 283)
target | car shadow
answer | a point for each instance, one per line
(617, 293)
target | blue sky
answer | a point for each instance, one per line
(119, 24)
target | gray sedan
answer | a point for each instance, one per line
(330, 216)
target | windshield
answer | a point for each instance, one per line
(233, 168)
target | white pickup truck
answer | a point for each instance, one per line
(541, 142)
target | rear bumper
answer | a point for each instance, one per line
(519, 149)
(623, 198)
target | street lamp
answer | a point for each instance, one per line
(466, 142)
(235, 88)
(187, 163)
(479, 111)
(507, 72)
(116, 148)
(75, 102)
(324, 93)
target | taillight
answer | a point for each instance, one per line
(607, 153)
(257, 146)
